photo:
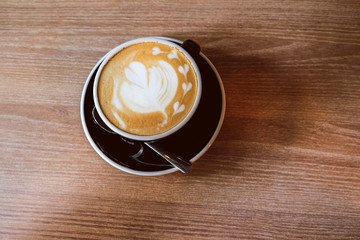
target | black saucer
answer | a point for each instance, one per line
(190, 142)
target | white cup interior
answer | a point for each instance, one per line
(117, 49)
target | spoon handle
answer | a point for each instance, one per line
(175, 160)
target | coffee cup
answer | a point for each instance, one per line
(148, 88)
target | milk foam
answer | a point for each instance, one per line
(153, 81)
(148, 90)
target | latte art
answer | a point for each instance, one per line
(147, 88)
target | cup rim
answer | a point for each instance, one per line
(117, 49)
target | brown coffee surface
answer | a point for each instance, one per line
(147, 88)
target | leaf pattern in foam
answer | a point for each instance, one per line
(149, 90)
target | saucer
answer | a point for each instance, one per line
(190, 142)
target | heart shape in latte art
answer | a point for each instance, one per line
(149, 89)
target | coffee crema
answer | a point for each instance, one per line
(147, 88)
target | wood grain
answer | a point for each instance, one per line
(286, 164)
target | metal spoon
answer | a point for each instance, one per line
(177, 161)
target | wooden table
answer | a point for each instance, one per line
(286, 164)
